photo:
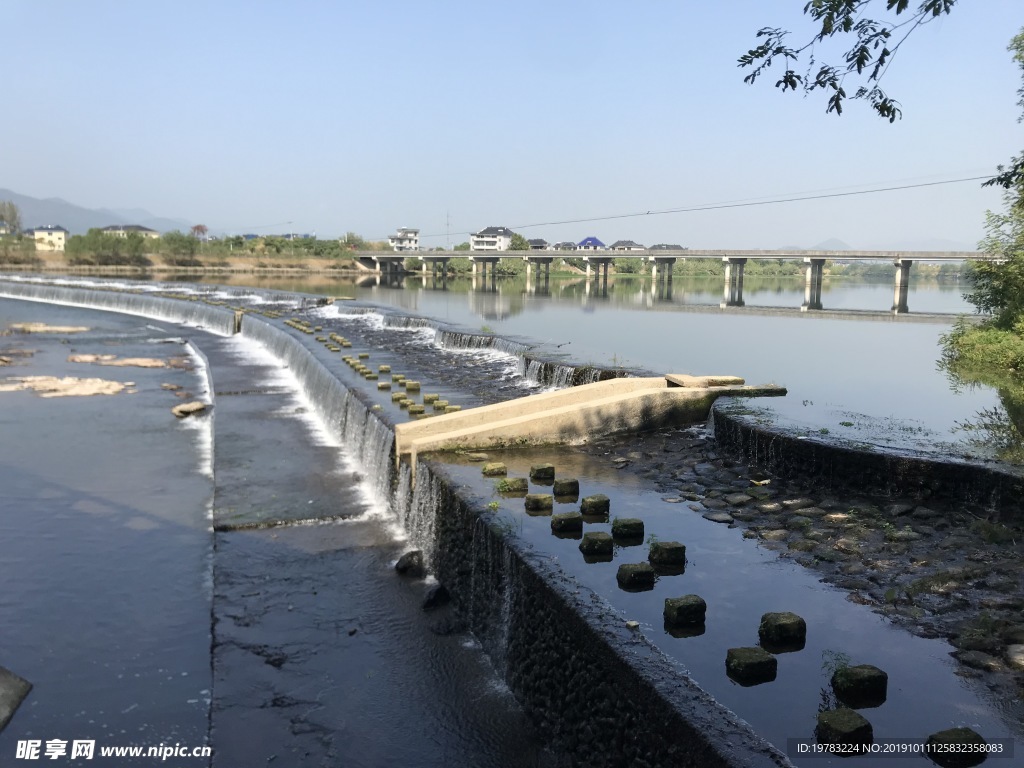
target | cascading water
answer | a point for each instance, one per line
(214, 319)
(348, 417)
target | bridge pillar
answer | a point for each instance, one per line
(813, 275)
(732, 294)
(661, 267)
(901, 286)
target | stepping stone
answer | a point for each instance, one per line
(567, 523)
(738, 499)
(596, 543)
(750, 666)
(685, 611)
(861, 686)
(667, 553)
(782, 629)
(635, 576)
(542, 472)
(539, 502)
(567, 489)
(493, 468)
(598, 504)
(969, 746)
(843, 726)
(513, 485)
(627, 528)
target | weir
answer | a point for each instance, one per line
(590, 684)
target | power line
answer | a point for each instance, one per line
(745, 204)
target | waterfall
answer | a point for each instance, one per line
(343, 412)
(196, 313)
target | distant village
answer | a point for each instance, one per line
(500, 239)
(53, 237)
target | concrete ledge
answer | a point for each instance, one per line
(13, 690)
(576, 413)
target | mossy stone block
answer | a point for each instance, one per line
(428, 398)
(538, 502)
(685, 611)
(384, 369)
(667, 553)
(397, 397)
(411, 386)
(415, 408)
(628, 528)
(542, 472)
(452, 408)
(383, 385)
(969, 743)
(567, 523)
(784, 629)
(514, 485)
(843, 726)
(440, 405)
(750, 666)
(569, 488)
(635, 576)
(405, 402)
(596, 543)
(364, 355)
(494, 469)
(862, 686)
(370, 376)
(598, 504)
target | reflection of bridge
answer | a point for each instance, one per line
(598, 262)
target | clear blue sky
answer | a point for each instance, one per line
(362, 116)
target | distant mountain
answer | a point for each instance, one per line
(78, 220)
(832, 244)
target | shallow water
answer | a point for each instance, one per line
(740, 581)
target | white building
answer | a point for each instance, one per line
(52, 237)
(491, 239)
(405, 239)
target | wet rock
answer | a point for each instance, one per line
(799, 523)
(539, 502)
(924, 513)
(539, 472)
(836, 518)
(596, 543)
(635, 576)
(13, 690)
(411, 564)
(904, 536)
(436, 597)
(847, 546)
(188, 409)
(777, 534)
(738, 499)
(415, 408)
(667, 553)
(1015, 656)
(567, 523)
(469, 456)
(770, 507)
(718, 517)
(494, 469)
(803, 545)
(1014, 634)
(861, 686)
(793, 505)
(685, 611)
(843, 726)
(947, 748)
(978, 660)
(899, 509)
(627, 528)
(782, 629)
(568, 488)
(598, 504)
(750, 666)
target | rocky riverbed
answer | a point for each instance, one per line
(937, 569)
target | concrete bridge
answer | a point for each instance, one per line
(661, 262)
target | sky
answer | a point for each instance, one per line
(328, 116)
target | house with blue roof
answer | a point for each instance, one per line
(590, 244)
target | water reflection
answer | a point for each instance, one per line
(997, 430)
